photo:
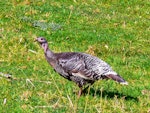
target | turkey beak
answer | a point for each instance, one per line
(35, 40)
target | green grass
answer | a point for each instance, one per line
(117, 32)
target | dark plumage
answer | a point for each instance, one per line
(80, 68)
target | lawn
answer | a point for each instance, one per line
(116, 31)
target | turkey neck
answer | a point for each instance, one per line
(50, 57)
(47, 51)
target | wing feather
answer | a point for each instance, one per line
(76, 67)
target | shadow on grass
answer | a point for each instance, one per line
(108, 94)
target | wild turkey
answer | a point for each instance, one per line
(80, 68)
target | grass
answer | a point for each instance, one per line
(115, 31)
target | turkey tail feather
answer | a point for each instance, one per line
(118, 79)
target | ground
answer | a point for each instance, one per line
(115, 31)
